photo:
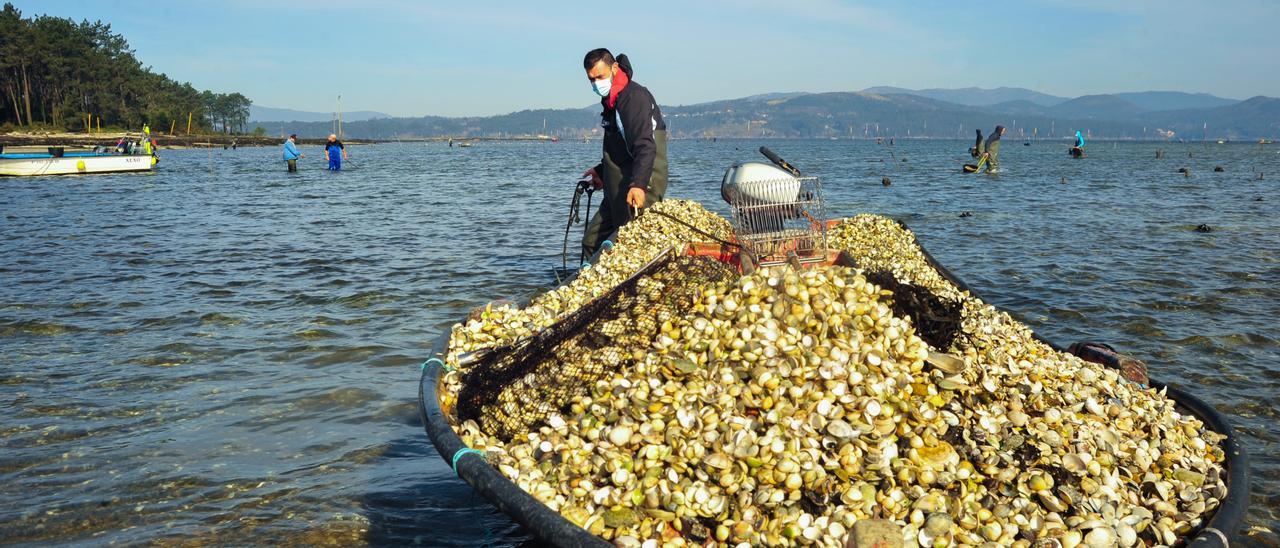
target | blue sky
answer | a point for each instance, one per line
(461, 57)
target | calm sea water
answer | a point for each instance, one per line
(221, 352)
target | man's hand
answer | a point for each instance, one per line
(635, 197)
(596, 181)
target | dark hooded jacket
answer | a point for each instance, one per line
(629, 129)
(993, 141)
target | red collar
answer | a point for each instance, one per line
(620, 81)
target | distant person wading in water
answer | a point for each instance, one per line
(633, 169)
(291, 153)
(335, 153)
(992, 150)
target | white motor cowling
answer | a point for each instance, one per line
(759, 183)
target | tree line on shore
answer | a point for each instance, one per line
(56, 73)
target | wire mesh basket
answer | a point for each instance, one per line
(777, 219)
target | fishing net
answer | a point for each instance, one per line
(937, 320)
(514, 388)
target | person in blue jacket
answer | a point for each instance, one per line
(291, 153)
(1077, 151)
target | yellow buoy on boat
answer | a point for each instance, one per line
(80, 165)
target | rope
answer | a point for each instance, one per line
(575, 217)
(696, 229)
(464, 451)
(443, 365)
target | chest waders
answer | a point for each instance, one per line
(614, 211)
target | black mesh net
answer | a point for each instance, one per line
(513, 389)
(937, 320)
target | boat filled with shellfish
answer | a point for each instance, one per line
(787, 405)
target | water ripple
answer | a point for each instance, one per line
(229, 354)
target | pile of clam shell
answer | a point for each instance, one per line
(638, 242)
(786, 406)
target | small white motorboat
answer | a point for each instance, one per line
(73, 163)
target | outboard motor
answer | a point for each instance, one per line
(776, 211)
(763, 194)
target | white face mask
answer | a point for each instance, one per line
(602, 86)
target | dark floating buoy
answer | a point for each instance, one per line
(1184, 171)
(885, 181)
(1258, 199)
(1218, 169)
(965, 215)
(904, 160)
(1204, 228)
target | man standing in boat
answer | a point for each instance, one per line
(633, 169)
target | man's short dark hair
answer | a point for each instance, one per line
(595, 56)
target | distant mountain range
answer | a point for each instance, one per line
(269, 114)
(874, 112)
(976, 97)
(979, 97)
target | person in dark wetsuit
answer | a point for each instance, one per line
(335, 153)
(976, 149)
(992, 150)
(633, 168)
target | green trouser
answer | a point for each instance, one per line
(293, 165)
(614, 211)
(993, 157)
